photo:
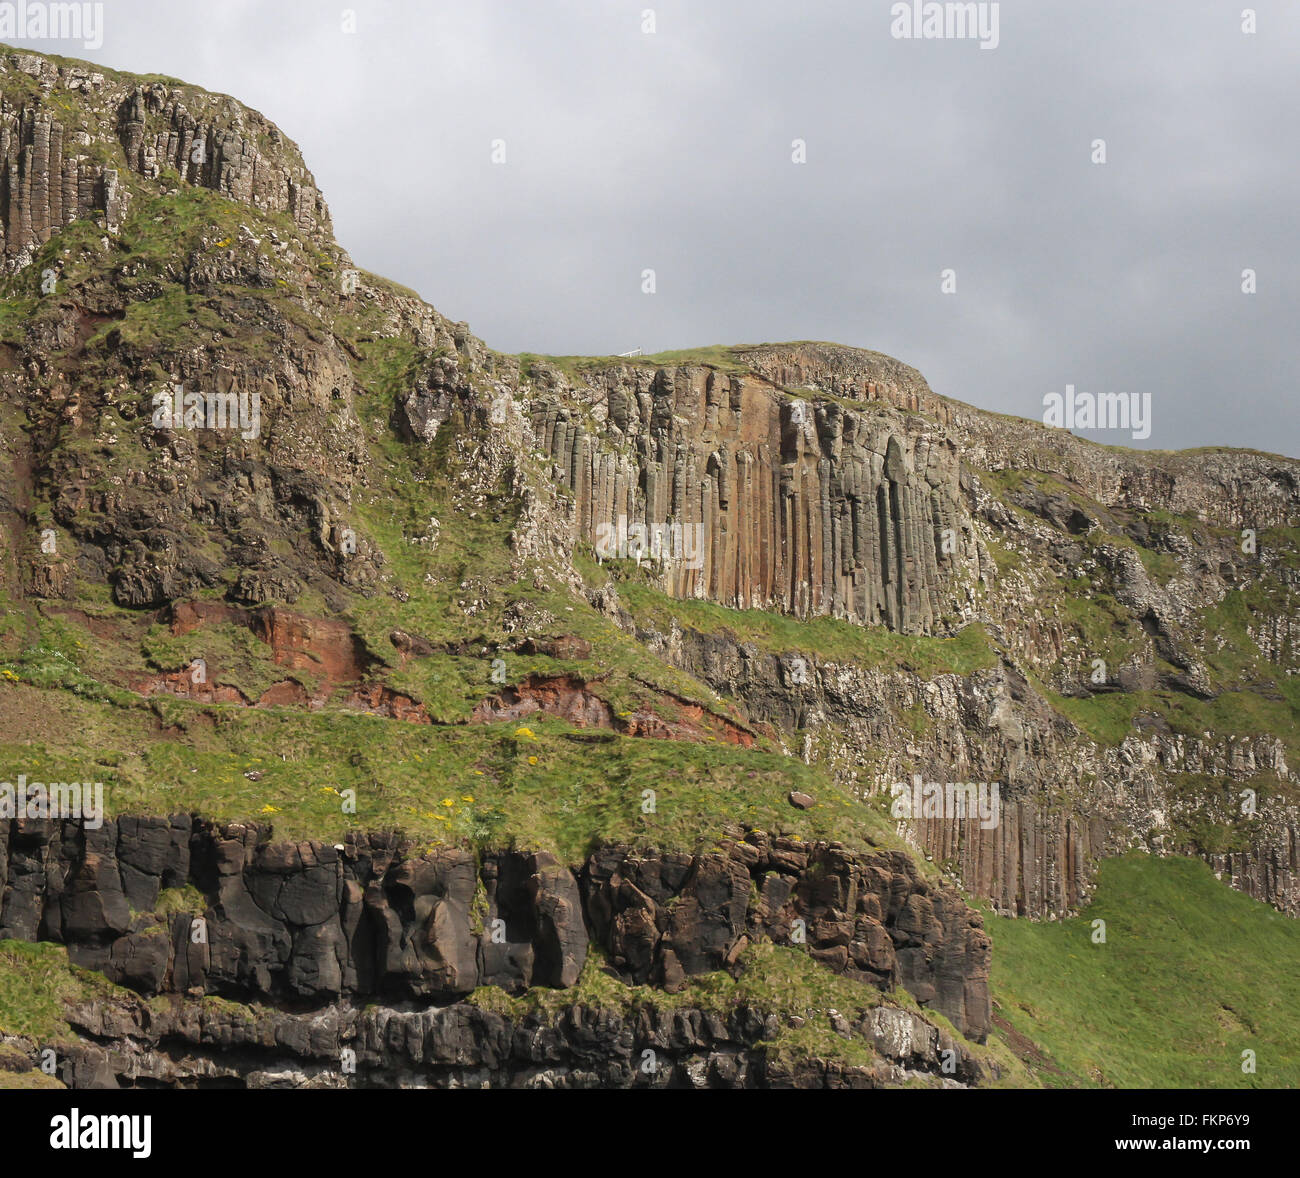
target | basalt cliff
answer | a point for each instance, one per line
(471, 719)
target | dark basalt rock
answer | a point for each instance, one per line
(310, 923)
(194, 1044)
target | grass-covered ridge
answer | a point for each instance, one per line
(540, 785)
(826, 638)
(1192, 974)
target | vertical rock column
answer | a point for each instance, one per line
(800, 506)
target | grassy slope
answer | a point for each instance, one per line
(482, 785)
(488, 785)
(1191, 975)
(35, 979)
(826, 638)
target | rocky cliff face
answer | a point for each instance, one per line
(1065, 801)
(192, 1044)
(369, 543)
(57, 122)
(307, 922)
(324, 949)
(1100, 575)
(805, 506)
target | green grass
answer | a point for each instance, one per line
(1104, 628)
(1107, 718)
(35, 979)
(15, 315)
(387, 366)
(1192, 974)
(830, 639)
(547, 791)
(234, 656)
(1231, 652)
(492, 785)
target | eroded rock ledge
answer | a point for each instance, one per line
(198, 1044)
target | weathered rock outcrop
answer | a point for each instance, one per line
(198, 1044)
(990, 726)
(220, 148)
(664, 918)
(853, 373)
(60, 126)
(306, 922)
(48, 183)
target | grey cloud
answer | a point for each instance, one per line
(672, 151)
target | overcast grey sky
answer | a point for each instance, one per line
(671, 150)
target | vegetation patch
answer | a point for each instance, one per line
(1144, 1009)
(828, 639)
